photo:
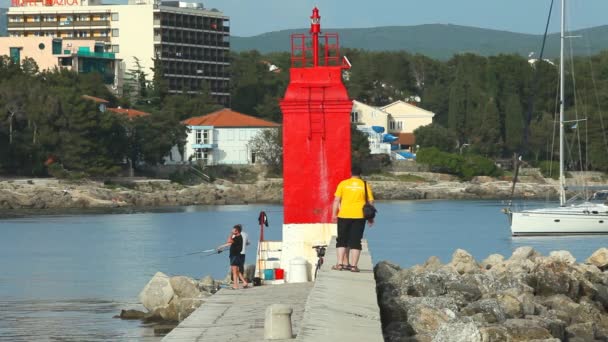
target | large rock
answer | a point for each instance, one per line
(457, 332)
(384, 270)
(523, 253)
(422, 284)
(132, 314)
(432, 264)
(492, 260)
(526, 330)
(184, 287)
(425, 319)
(208, 284)
(463, 291)
(490, 310)
(510, 304)
(554, 277)
(581, 331)
(555, 326)
(599, 258)
(463, 262)
(180, 308)
(563, 256)
(157, 292)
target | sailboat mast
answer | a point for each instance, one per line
(562, 178)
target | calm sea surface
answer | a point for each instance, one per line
(63, 277)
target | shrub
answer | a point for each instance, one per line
(549, 169)
(466, 167)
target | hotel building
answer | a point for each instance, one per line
(3, 22)
(190, 42)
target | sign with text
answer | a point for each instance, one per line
(29, 3)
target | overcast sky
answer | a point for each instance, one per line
(251, 17)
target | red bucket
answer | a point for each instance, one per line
(279, 273)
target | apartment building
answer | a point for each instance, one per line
(82, 55)
(3, 22)
(190, 43)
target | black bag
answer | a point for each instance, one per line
(369, 211)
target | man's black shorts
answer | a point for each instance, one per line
(350, 232)
(237, 260)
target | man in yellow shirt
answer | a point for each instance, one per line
(348, 211)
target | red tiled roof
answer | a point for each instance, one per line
(406, 138)
(130, 113)
(228, 118)
(95, 99)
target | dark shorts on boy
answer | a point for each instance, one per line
(350, 232)
(237, 260)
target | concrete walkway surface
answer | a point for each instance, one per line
(343, 305)
(238, 315)
(338, 306)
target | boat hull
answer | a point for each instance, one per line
(561, 221)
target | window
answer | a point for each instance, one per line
(400, 125)
(354, 117)
(391, 125)
(114, 16)
(205, 137)
(66, 62)
(201, 154)
(115, 48)
(114, 32)
(15, 53)
(56, 46)
(202, 137)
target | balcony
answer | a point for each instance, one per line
(204, 145)
(102, 55)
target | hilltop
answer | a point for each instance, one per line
(439, 41)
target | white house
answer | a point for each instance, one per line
(367, 118)
(221, 137)
(403, 119)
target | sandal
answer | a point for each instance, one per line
(338, 267)
(355, 269)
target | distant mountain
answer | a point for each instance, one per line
(435, 40)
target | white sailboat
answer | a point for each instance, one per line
(582, 218)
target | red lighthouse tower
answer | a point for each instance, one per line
(316, 126)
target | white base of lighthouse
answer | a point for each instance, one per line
(298, 240)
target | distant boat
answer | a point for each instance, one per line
(583, 218)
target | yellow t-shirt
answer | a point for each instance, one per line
(352, 197)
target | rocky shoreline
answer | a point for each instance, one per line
(60, 194)
(527, 297)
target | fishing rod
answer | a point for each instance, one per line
(214, 250)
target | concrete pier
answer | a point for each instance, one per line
(338, 305)
(342, 305)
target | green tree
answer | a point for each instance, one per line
(514, 123)
(435, 135)
(268, 147)
(359, 143)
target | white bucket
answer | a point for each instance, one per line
(297, 270)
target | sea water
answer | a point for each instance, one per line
(63, 277)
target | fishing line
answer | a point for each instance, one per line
(193, 253)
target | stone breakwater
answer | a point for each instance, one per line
(527, 297)
(56, 194)
(171, 299)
